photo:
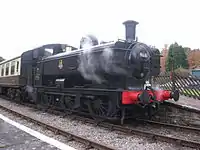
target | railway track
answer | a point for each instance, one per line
(178, 114)
(127, 130)
(190, 109)
(188, 128)
(88, 143)
(154, 136)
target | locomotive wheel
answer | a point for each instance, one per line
(100, 107)
(45, 101)
(18, 95)
(69, 102)
(12, 94)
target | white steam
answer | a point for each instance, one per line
(157, 87)
(90, 64)
(87, 67)
(159, 90)
(30, 90)
(107, 64)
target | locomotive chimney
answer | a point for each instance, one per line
(130, 27)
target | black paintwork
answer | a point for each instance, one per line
(130, 27)
(125, 57)
(56, 77)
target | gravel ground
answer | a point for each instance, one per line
(98, 134)
(171, 132)
(177, 116)
(188, 102)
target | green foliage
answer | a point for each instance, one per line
(182, 72)
(187, 50)
(176, 57)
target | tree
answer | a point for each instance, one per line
(177, 56)
(193, 58)
(1, 59)
(187, 50)
(169, 59)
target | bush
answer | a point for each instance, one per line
(182, 72)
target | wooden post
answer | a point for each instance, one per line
(173, 74)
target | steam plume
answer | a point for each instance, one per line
(30, 90)
(106, 59)
(90, 64)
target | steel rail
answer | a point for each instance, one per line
(169, 125)
(88, 143)
(190, 109)
(155, 136)
(131, 131)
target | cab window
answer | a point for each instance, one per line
(12, 67)
(2, 70)
(7, 69)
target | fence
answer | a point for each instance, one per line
(187, 85)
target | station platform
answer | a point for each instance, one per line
(187, 102)
(14, 136)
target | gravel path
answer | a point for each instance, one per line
(112, 138)
(177, 116)
(188, 102)
(171, 132)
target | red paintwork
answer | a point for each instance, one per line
(131, 97)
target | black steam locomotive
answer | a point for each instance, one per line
(110, 80)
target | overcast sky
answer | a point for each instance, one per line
(26, 24)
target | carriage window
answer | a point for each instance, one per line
(48, 52)
(68, 48)
(12, 67)
(17, 66)
(2, 70)
(7, 69)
